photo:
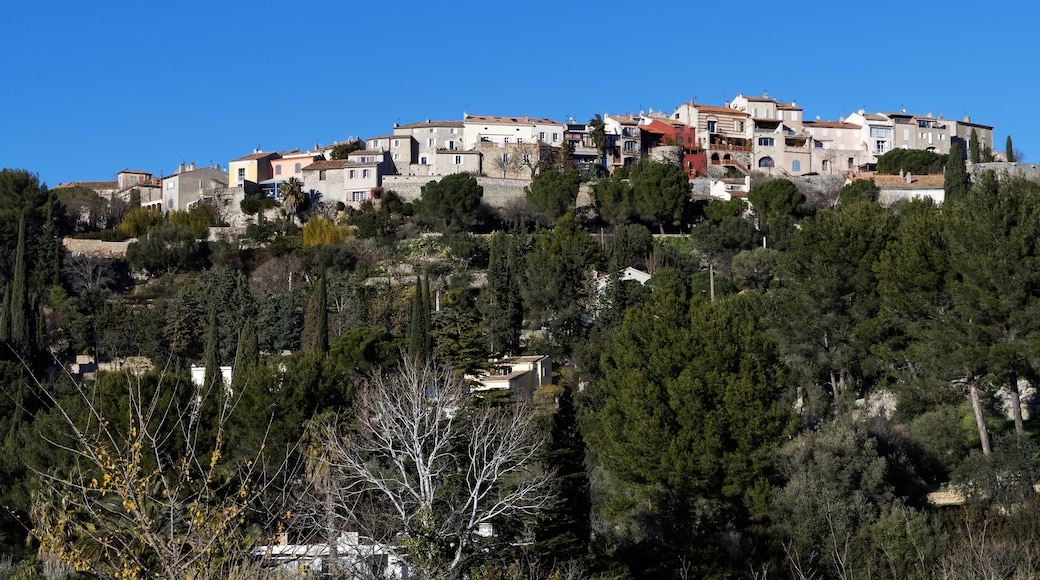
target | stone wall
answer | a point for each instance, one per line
(1029, 171)
(498, 193)
(96, 248)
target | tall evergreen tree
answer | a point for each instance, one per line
(321, 340)
(501, 303)
(19, 301)
(956, 181)
(419, 341)
(1009, 150)
(974, 151)
(212, 377)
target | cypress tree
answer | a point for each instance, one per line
(503, 311)
(419, 341)
(956, 181)
(1009, 150)
(974, 152)
(321, 341)
(247, 352)
(212, 376)
(19, 301)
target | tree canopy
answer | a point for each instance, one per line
(452, 201)
(552, 193)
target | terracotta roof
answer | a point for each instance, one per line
(916, 182)
(759, 99)
(525, 120)
(135, 171)
(713, 109)
(831, 124)
(390, 136)
(365, 152)
(327, 164)
(431, 124)
(790, 106)
(256, 156)
(91, 184)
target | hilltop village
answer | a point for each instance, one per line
(721, 342)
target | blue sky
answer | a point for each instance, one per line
(93, 88)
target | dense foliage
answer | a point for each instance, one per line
(776, 400)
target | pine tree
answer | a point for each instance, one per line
(956, 181)
(1009, 150)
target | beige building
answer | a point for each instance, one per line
(522, 376)
(722, 132)
(837, 147)
(413, 148)
(777, 138)
(478, 129)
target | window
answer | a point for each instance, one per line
(736, 126)
(824, 132)
(880, 146)
(353, 173)
(321, 175)
(818, 144)
(765, 141)
(794, 115)
(458, 160)
(297, 168)
(883, 132)
(241, 174)
(277, 169)
(541, 135)
(851, 162)
(133, 180)
(453, 130)
(780, 115)
(823, 164)
(556, 137)
(397, 156)
(754, 112)
(906, 134)
(505, 139)
(397, 142)
(712, 123)
(451, 145)
(796, 165)
(837, 132)
(359, 196)
(519, 139)
(766, 162)
(431, 142)
(422, 161)
(169, 184)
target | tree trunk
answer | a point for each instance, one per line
(1016, 404)
(976, 406)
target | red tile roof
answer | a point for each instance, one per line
(525, 120)
(327, 164)
(256, 156)
(831, 125)
(429, 123)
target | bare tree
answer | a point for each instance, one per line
(86, 272)
(431, 470)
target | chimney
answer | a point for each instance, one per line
(909, 178)
(180, 168)
(967, 119)
(192, 166)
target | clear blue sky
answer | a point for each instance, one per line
(92, 88)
